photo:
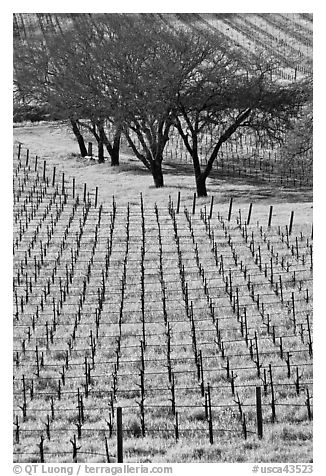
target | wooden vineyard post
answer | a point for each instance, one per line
(41, 446)
(24, 406)
(142, 283)
(211, 208)
(52, 408)
(201, 373)
(142, 400)
(297, 381)
(194, 204)
(249, 214)
(237, 401)
(297, 246)
(309, 335)
(259, 413)
(168, 335)
(281, 347)
(308, 405)
(178, 202)
(119, 436)
(96, 196)
(281, 288)
(245, 325)
(288, 363)
(16, 423)
(291, 222)
(257, 355)
(81, 408)
(47, 426)
(265, 383)
(230, 209)
(44, 169)
(176, 426)
(293, 311)
(85, 189)
(53, 177)
(244, 426)
(206, 405)
(240, 219)
(272, 393)
(210, 422)
(270, 216)
(173, 394)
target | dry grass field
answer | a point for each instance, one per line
(180, 310)
(55, 143)
(174, 315)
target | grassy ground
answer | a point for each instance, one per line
(55, 143)
(289, 439)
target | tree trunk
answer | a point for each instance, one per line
(199, 176)
(100, 142)
(79, 137)
(201, 186)
(156, 169)
(116, 148)
(115, 157)
(100, 152)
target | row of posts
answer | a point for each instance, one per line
(63, 178)
(178, 201)
(270, 215)
(119, 458)
(259, 417)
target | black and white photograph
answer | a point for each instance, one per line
(162, 250)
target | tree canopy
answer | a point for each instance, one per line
(117, 70)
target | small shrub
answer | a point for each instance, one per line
(198, 453)
(289, 433)
(134, 428)
(198, 415)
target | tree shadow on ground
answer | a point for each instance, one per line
(245, 187)
(224, 185)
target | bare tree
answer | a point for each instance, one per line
(226, 99)
(57, 66)
(116, 72)
(297, 147)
